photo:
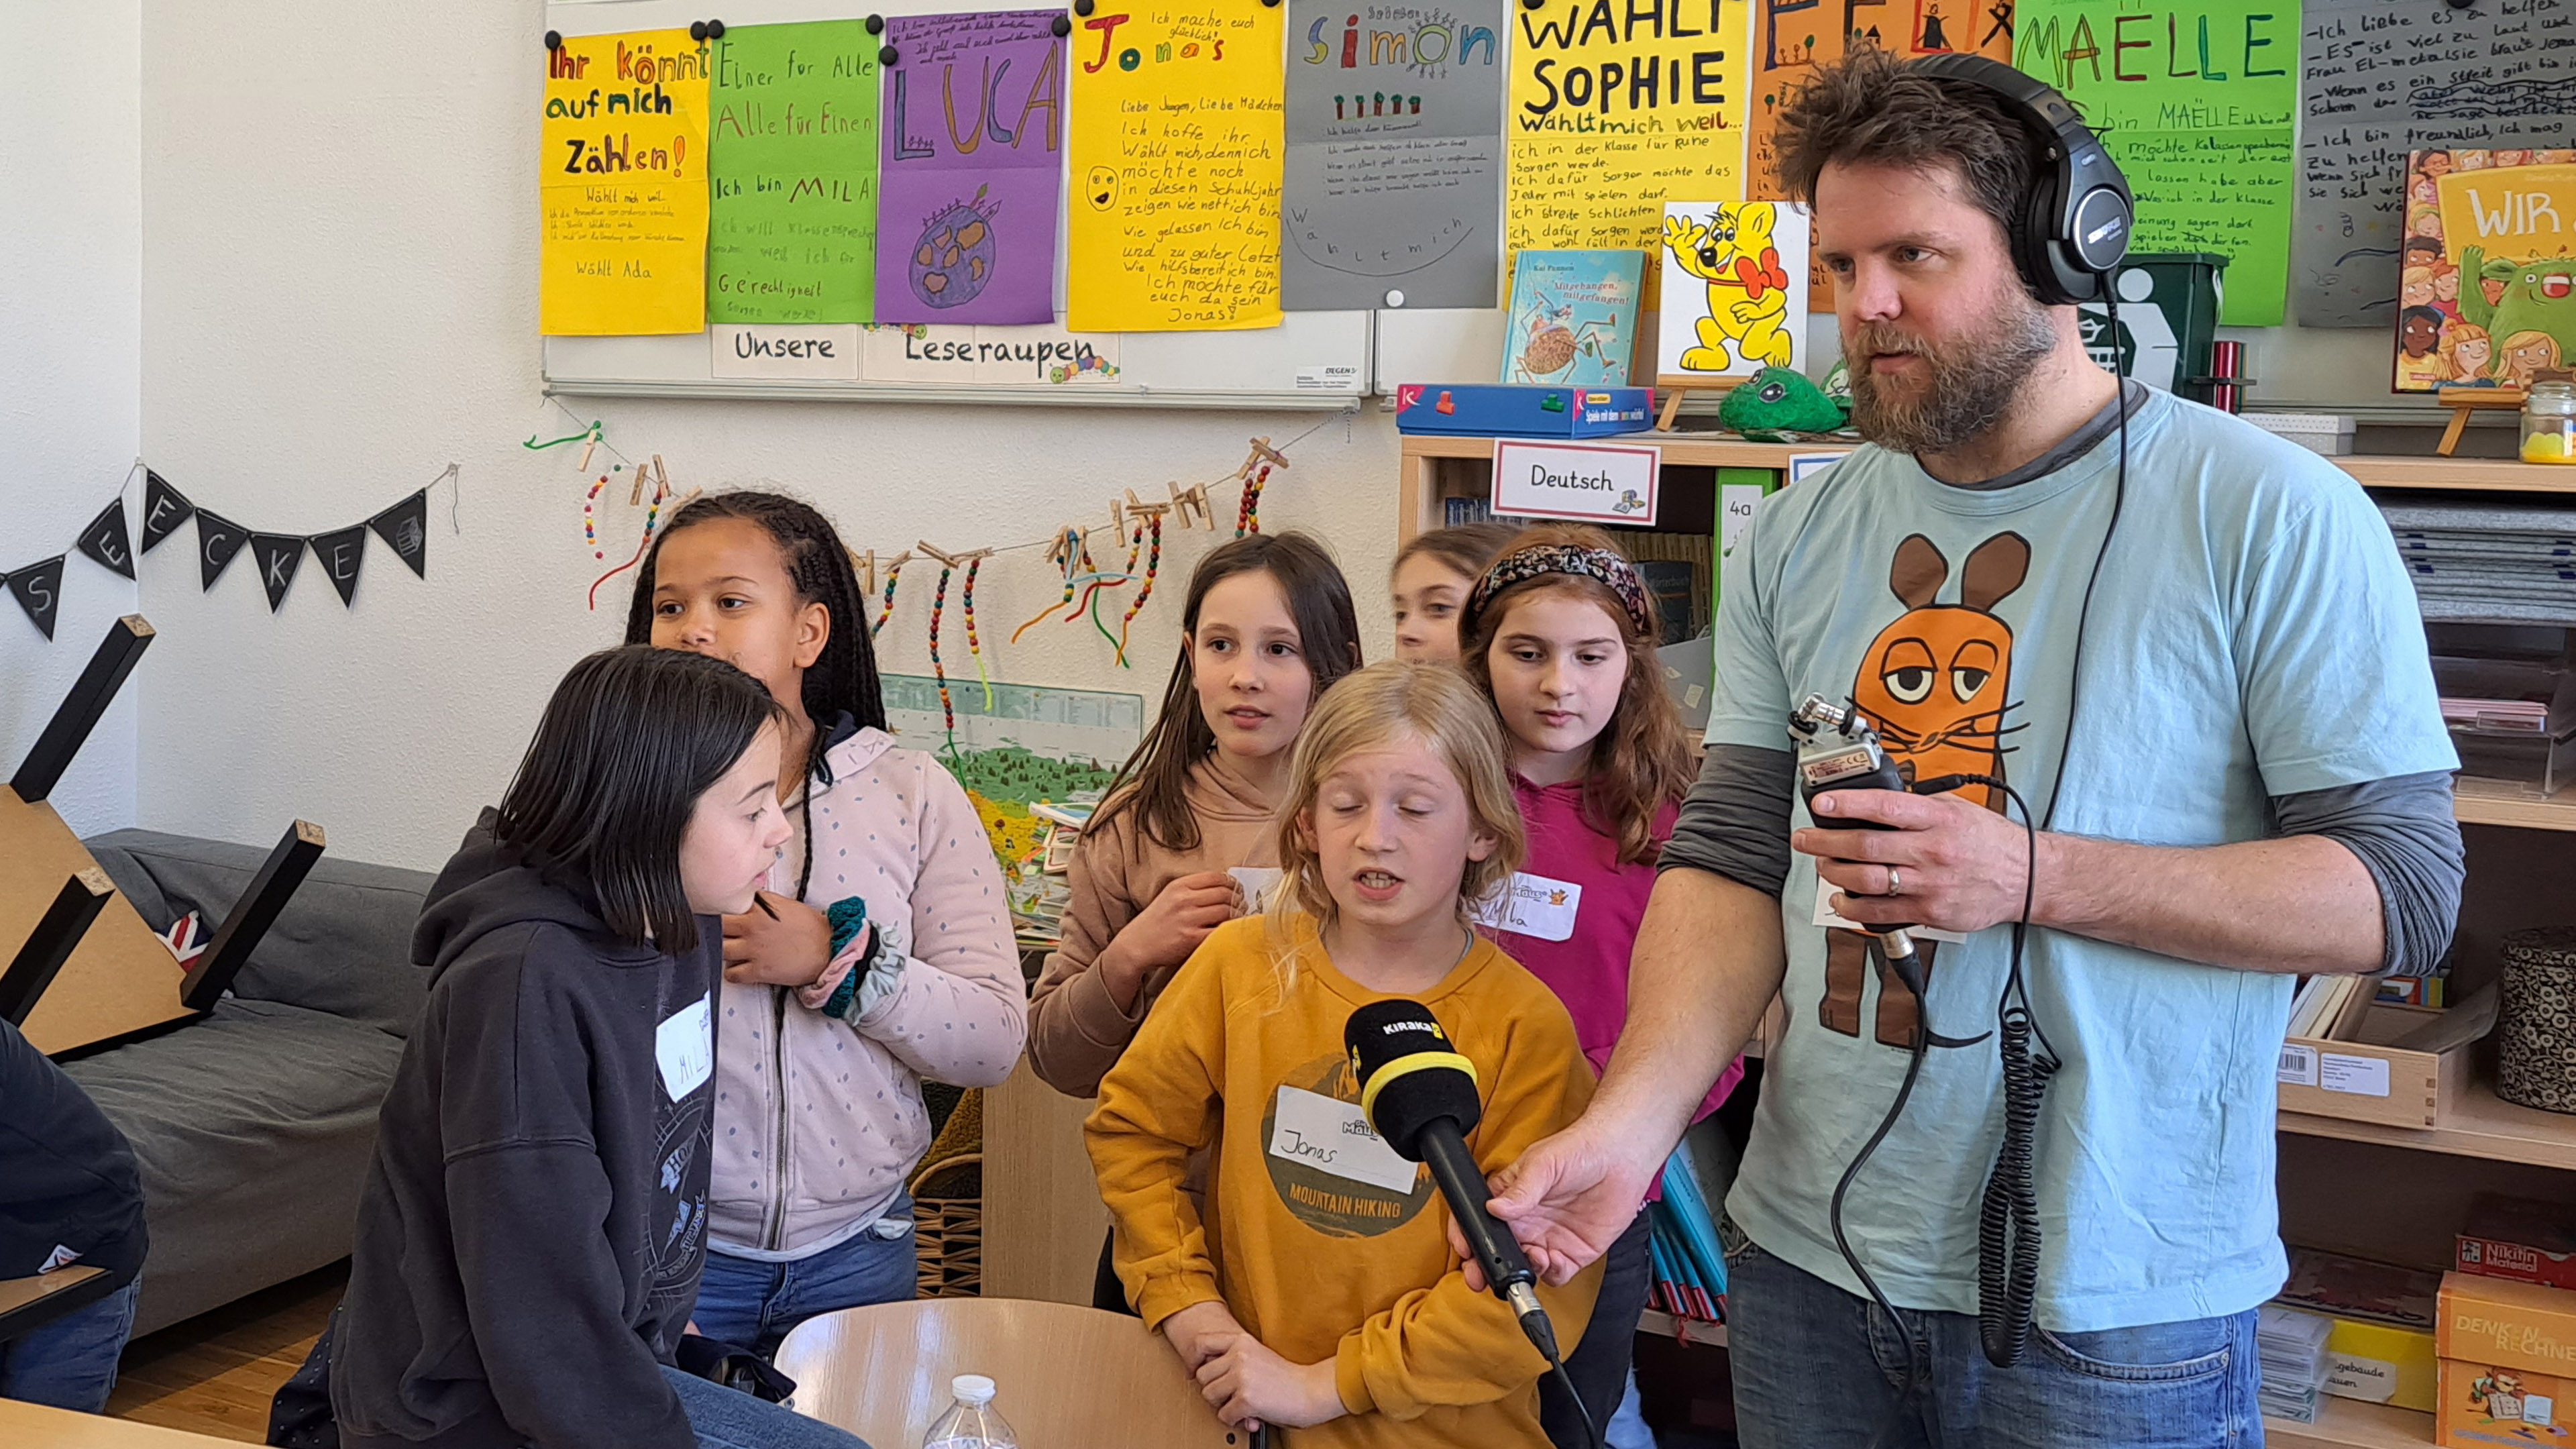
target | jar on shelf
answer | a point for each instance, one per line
(2549, 423)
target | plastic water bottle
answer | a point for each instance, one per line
(971, 1422)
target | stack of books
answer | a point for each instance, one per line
(2292, 1346)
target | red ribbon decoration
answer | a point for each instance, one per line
(1762, 277)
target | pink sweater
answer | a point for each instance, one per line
(1588, 970)
(818, 1122)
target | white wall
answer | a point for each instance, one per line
(71, 240)
(339, 287)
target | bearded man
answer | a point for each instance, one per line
(2192, 650)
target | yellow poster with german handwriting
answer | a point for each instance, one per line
(1617, 106)
(623, 185)
(1178, 154)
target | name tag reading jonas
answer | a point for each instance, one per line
(1330, 1135)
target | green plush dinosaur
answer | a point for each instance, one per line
(1776, 402)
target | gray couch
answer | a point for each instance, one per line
(255, 1125)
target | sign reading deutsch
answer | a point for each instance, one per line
(1587, 482)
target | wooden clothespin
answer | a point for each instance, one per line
(1261, 452)
(1142, 508)
(1117, 517)
(865, 566)
(947, 559)
(1189, 502)
(686, 499)
(1067, 549)
(589, 446)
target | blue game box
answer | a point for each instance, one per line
(1521, 410)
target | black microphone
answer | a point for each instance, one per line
(1420, 1095)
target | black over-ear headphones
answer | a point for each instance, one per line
(2078, 224)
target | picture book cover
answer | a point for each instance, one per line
(2486, 289)
(1735, 289)
(1573, 319)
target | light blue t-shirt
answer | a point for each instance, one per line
(2253, 634)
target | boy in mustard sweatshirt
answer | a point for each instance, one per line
(1316, 1291)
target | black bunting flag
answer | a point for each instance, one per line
(106, 542)
(218, 539)
(164, 509)
(276, 555)
(405, 529)
(38, 588)
(339, 552)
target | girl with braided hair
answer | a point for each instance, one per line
(880, 954)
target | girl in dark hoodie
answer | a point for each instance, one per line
(531, 1234)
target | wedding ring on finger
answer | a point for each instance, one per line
(1895, 882)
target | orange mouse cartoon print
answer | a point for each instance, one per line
(1937, 684)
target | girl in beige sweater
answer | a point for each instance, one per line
(1267, 626)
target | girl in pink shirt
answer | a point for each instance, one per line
(1561, 634)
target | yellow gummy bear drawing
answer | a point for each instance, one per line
(1748, 297)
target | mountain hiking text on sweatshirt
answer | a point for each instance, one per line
(531, 1233)
(1323, 1244)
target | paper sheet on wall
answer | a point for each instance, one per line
(1177, 167)
(974, 155)
(623, 185)
(2195, 100)
(1790, 38)
(792, 174)
(1395, 115)
(2381, 78)
(1613, 113)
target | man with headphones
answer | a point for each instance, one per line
(2162, 682)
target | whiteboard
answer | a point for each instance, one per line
(1313, 360)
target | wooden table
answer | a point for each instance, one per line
(31, 1426)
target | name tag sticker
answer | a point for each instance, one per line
(1256, 882)
(1331, 1135)
(1533, 905)
(684, 1046)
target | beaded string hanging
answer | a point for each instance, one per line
(1254, 473)
(1135, 550)
(939, 670)
(1153, 513)
(885, 609)
(652, 520)
(975, 650)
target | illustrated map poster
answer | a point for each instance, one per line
(2195, 99)
(1394, 125)
(2492, 299)
(2382, 78)
(974, 149)
(792, 174)
(622, 176)
(1615, 110)
(1177, 167)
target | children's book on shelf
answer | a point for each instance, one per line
(1573, 318)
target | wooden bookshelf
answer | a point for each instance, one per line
(2478, 1125)
(2470, 475)
(1690, 1331)
(2351, 1424)
(2499, 802)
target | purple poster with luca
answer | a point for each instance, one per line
(974, 155)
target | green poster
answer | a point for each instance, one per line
(2196, 100)
(792, 167)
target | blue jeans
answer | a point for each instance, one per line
(752, 1304)
(1816, 1366)
(730, 1419)
(70, 1363)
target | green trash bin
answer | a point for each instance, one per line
(2168, 318)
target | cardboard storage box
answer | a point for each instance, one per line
(2508, 1362)
(2379, 1345)
(2519, 1239)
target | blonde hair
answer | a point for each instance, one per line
(1369, 708)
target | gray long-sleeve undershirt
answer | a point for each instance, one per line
(1735, 823)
